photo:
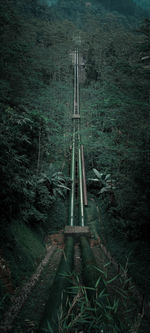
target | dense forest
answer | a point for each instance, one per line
(143, 3)
(36, 101)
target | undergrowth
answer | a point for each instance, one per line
(124, 249)
(100, 312)
(22, 249)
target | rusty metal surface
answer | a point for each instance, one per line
(77, 230)
(76, 116)
(84, 178)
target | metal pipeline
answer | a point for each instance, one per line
(72, 201)
(81, 189)
(73, 181)
(77, 137)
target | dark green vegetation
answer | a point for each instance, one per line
(143, 4)
(36, 99)
(116, 96)
(106, 303)
(36, 93)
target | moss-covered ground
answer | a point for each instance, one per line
(22, 252)
(22, 249)
(29, 318)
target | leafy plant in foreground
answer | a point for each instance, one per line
(106, 183)
(110, 311)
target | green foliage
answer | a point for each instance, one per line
(23, 249)
(143, 4)
(19, 153)
(32, 118)
(115, 134)
(117, 315)
(55, 181)
(35, 94)
(36, 103)
(106, 183)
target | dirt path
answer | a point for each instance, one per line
(30, 316)
(51, 259)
